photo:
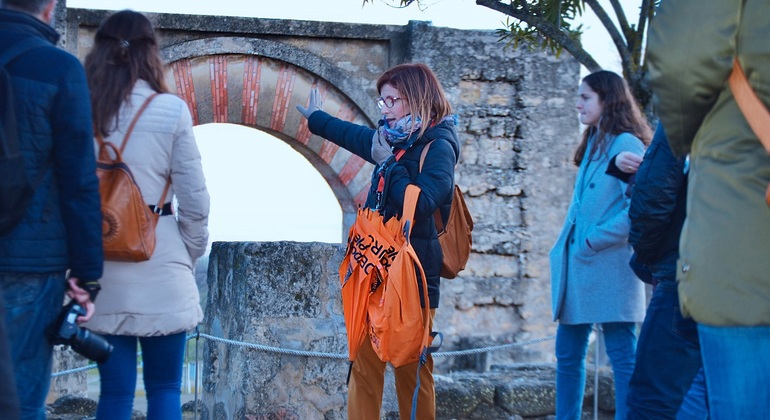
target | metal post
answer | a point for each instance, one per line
(596, 372)
(195, 404)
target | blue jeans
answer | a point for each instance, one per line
(667, 359)
(162, 358)
(32, 303)
(571, 349)
(737, 367)
(9, 399)
(695, 404)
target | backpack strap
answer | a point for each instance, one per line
(752, 108)
(138, 114)
(136, 118)
(9, 118)
(410, 204)
(437, 219)
(159, 207)
(11, 148)
(750, 105)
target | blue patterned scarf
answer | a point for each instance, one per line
(401, 130)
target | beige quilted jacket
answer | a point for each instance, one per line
(159, 296)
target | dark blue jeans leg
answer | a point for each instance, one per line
(9, 399)
(117, 377)
(695, 403)
(571, 348)
(32, 304)
(620, 343)
(667, 358)
(163, 358)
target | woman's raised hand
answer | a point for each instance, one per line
(314, 104)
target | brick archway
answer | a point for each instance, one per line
(513, 124)
(261, 92)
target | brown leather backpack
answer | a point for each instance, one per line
(128, 223)
(455, 237)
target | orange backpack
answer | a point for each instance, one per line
(455, 237)
(399, 324)
(380, 296)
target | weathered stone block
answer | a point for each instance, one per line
(283, 296)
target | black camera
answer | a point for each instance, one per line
(66, 331)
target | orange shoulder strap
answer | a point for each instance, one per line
(410, 204)
(136, 118)
(130, 129)
(752, 108)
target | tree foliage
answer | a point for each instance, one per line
(552, 25)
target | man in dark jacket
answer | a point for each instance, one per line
(58, 243)
(667, 353)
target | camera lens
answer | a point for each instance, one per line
(92, 346)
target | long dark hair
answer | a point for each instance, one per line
(620, 114)
(125, 50)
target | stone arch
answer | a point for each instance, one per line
(256, 84)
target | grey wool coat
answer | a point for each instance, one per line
(594, 283)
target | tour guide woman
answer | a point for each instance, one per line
(415, 112)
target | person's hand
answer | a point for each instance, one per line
(313, 105)
(628, 162)
(82, 297)
(381, 150)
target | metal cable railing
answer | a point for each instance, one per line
(303, 353)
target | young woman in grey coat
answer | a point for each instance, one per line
(591, 281)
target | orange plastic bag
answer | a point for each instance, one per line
(380, 295)
(371, 248)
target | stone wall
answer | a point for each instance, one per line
(517, 127)
(284, 295)
(518, 131)
(286, 354)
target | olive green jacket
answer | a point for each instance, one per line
(724, 265)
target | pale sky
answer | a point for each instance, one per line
(261, 189)
(463, 14)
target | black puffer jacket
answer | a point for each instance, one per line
(436, 181)
(657, 209)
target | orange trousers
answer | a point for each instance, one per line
(367, 380)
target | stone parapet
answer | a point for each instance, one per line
(284, 295)
(517, 126)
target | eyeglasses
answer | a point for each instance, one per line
(387, 102)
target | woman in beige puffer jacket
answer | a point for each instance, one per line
(155, 302)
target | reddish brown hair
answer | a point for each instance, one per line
(421, 88)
